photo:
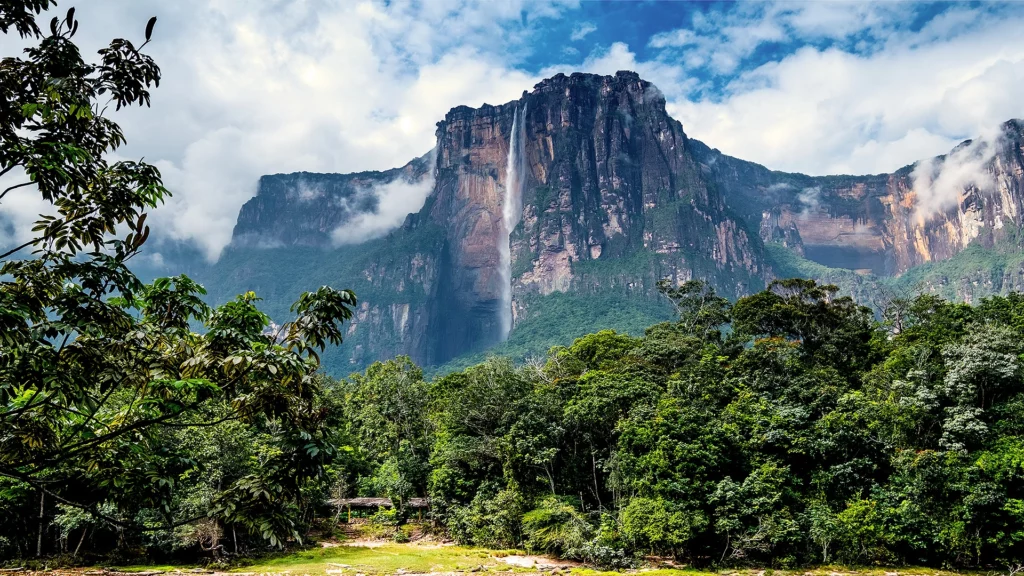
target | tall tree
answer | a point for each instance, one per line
(96, 367)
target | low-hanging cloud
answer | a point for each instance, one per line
(306, 192)
(395, 200)
(810, 199)
(939, 183)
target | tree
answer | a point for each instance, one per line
(824, 527)
(655, 524)
(701, 310)
(834, 329)
(753, 516)
(557, 526)
(389, 408)
(96, 368)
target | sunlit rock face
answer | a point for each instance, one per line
(612, 176)
(886, 223)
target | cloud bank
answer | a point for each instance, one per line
(868, 98)
(261, 88)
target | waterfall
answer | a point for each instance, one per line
(511, 212)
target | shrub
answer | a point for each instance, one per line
(385, 517)
(491, 521)
(654, 524)
(557, 526)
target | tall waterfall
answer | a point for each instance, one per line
(511, 211)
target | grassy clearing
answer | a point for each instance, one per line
(418, 558)
(382, 559)
(819, 571)
(155, 568)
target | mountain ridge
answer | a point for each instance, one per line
(616, 197)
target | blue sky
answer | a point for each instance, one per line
(821, 87)
(595, 26)
(636, 23)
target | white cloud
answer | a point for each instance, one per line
(580, 31)
(720, 41)
(306, 192)
(396, 200)
(810, 198)
(830, 111)
(841, 19)
(939, 183)
(879, 97)
(779, 187)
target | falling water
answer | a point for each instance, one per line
(511, 211)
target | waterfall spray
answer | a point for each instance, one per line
(511, 211)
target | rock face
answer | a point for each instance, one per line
(886, 223)
(615, 198)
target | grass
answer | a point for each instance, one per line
(155, 568)
(818, 571)
(390, 558)
(383, 559)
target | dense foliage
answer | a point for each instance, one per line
(789, 428)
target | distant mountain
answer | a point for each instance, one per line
(613, 196)
(886, 223)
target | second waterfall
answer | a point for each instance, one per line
(511, 211)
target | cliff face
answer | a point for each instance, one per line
(886, 223)
(613, 176)
(615, 197)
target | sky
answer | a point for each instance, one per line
(261, 87)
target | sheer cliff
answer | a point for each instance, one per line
(613, 200)
(615, 197)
